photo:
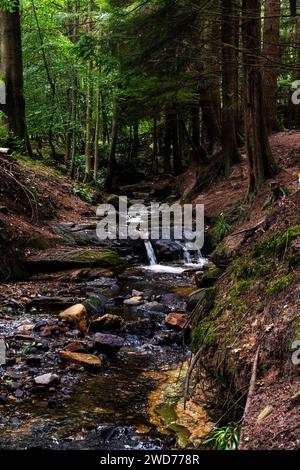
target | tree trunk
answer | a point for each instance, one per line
(97, 128)
(195, 126)
(135, 142)
(74, 123)
(105, 130)
(177, 163)
(12, 70)
(155, 147)
(260, 159)
(113, 146)
(271, 60)
(296, 64)
(167, 146)
(89, 92)
(74, 93)
(230, 152)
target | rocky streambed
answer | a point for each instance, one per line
(95, 359)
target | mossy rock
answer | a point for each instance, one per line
(227, 250)
(42, 243)
(208, 266)
(75, 258)
(207, 278)
(113, 199)
(204, 305)
(94, 257)
(195, 297)
(95, 304)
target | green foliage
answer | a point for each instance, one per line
(8, 139)
(83, 192)
(204, 334)
(26, 349)
(277, 242)
(278, 285)
(206, 329)
(224, 438)
(297, 331)
(4, 134)
(8, 5)
(220, 229)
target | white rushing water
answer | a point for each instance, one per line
(186, 255)
(150, 253)
(154, 266)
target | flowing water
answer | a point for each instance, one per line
(112, 408)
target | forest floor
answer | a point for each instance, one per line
(33, 199)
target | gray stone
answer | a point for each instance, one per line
(107, 343)
(46, 379)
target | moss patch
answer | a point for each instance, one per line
(279, 284)
(277, 242)
(252, 268)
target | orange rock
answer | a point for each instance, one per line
(76, 346)
(25, 328)
(49, 330)
(177, 320)
(75, 316)
(88, 360)
(107, 322)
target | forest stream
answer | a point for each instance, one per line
(135, 399)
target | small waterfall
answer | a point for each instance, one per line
(186, 255)
(197, 257)
(150, 253)
(200, 257)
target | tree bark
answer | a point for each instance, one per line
(230, 151)
(89, 93)
(260, 160)
(135, 142)
(177, 163)
(296, 64)
(195, 125)
(167, 145)
(155, 147)
(271, 60)
(12, 70)
(97, 128)
(113, 145)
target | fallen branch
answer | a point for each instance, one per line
(252, 384)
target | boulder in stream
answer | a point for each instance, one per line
(106, 343)
(67, 258)
(46, 379)
(106, 322)
(75, 316)
(133, 301)
(85, 360)
(179, 321)
(76, 346)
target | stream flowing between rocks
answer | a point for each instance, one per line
(134, 400)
